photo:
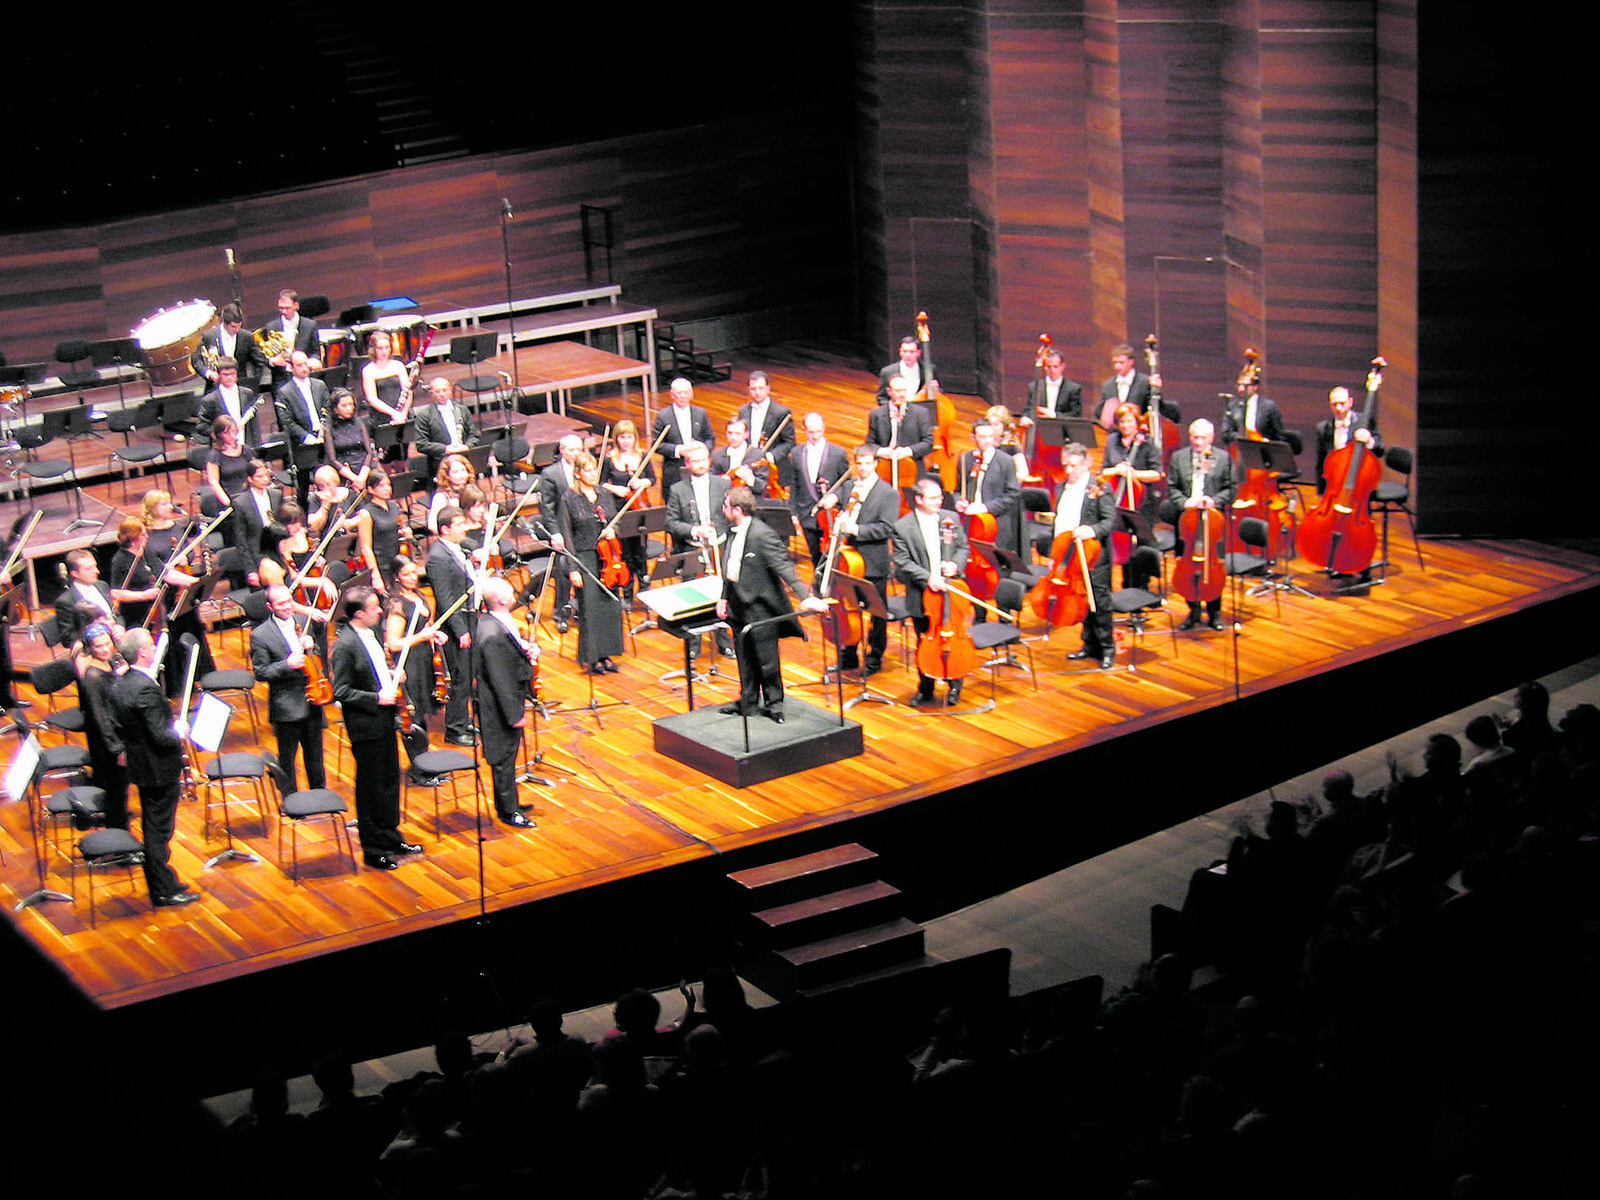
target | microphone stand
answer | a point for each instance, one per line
(594, 705)
(511, 319)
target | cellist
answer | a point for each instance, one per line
(919, 543)
(1084, 510)
(869, 509)
(1199, 477)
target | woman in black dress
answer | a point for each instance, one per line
(348, 445)
(586, 509)
(1130, 456)
(406, 602)
(137, 580)
(625, 460)
(227, 466)
(385, 382)
(379, 530)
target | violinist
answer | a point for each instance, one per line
(756, 569)
(687, 425)
(451, 574)
(917, 376)
(385, 382)
(988, 485)
(164, 531)
(739, 463)
(453, 474)
(1199, 477)
(379, 531)
(328, 495)
(919, 543)
(409, 609)
(1336, 432)
(137, 584)
(1085, 511)
(1130, 386)
(770, 425)
(348, 444)
(898, 430)
(286, 553)
(278, 654)
(814, 466)
(626, 471)
(868, 508)
(586, 509)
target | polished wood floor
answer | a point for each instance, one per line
(620, 809)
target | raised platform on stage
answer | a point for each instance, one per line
(714, 743)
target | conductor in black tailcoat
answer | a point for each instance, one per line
(152, 740)
(755, 570)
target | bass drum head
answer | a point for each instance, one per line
(169, 336)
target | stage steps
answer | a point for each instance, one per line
(823, 921)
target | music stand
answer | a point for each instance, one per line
(871, 604)
(80, 424)
(116, 352)
(387, 437)
(471, 349)
(478, 456)
(1083, 430)
(21, 780)
(208, 726)
(668, 566)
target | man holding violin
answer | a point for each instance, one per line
(770, 425)
(278, 651)
(1199, 478)
(919, 543)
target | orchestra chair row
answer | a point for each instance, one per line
(105, 849)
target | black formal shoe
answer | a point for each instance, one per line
(421, 779)
(775, 715)
(561, 625)
(1079, 654)
(874, 665)
(611, 667)
(731, 710)
(954, 697)
(176, 900)
(921, 699)
(1215, 623)
(469, 740)
(726, 652)
(380, 862)
(1192, 621)
(1108, 660)
(518, 821)
(410, 848)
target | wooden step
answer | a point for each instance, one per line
(813, 964)
(810, 875)
(816, 917)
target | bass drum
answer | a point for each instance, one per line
(334, 347)
(167, 339)
(405, 336)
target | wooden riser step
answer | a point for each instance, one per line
(814, 964)
(810, 875)
(817, 917)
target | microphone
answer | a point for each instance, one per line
(229, 252)
(505, 207)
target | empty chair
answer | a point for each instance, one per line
(1390, 497)
(303, 807)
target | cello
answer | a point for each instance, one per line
(946, 651)
(1163, 431)
(1338, 535)
(1201, 572)
(942, 458)
(1065, 596)
(842, 625)
(1258, 492)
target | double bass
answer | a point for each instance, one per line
(1044, 462)
(1163, 431)
(1258, 494)
(942, 458)
(843, 624)
(1338, 535)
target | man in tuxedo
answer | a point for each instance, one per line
(229, 397)
(1251, 415)
(278, 657)
(300, 333)
(367, 691)
(924, 560)
(84, 585)
(450, 575)
(738, 461)
(1084, 514)
(687, 425)
(1054, 395)
(1199, 477)
(228, 340)
(443, 427)
(917, 375)
(899, 430)
(814, 465)
(1130, 386)
(502, 666)
(988, 484)
(694, 511)
(1340, 428)
(762, 417)
(153, 742)
(555, 481)
(755, 570)
(302, 403)
(868, 508)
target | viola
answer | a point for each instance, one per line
(946, 651)
(1338, 535)
(614, 572)
(319, 688)
(1064, 596)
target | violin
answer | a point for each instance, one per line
(775, 488)
(1338, 535)
(942, 458)
(946, 651)
(1201, 572)
(319, 688)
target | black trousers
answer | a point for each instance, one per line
(377, 794)
(306, 733)
(158, 813)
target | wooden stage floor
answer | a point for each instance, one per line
(625, 811)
